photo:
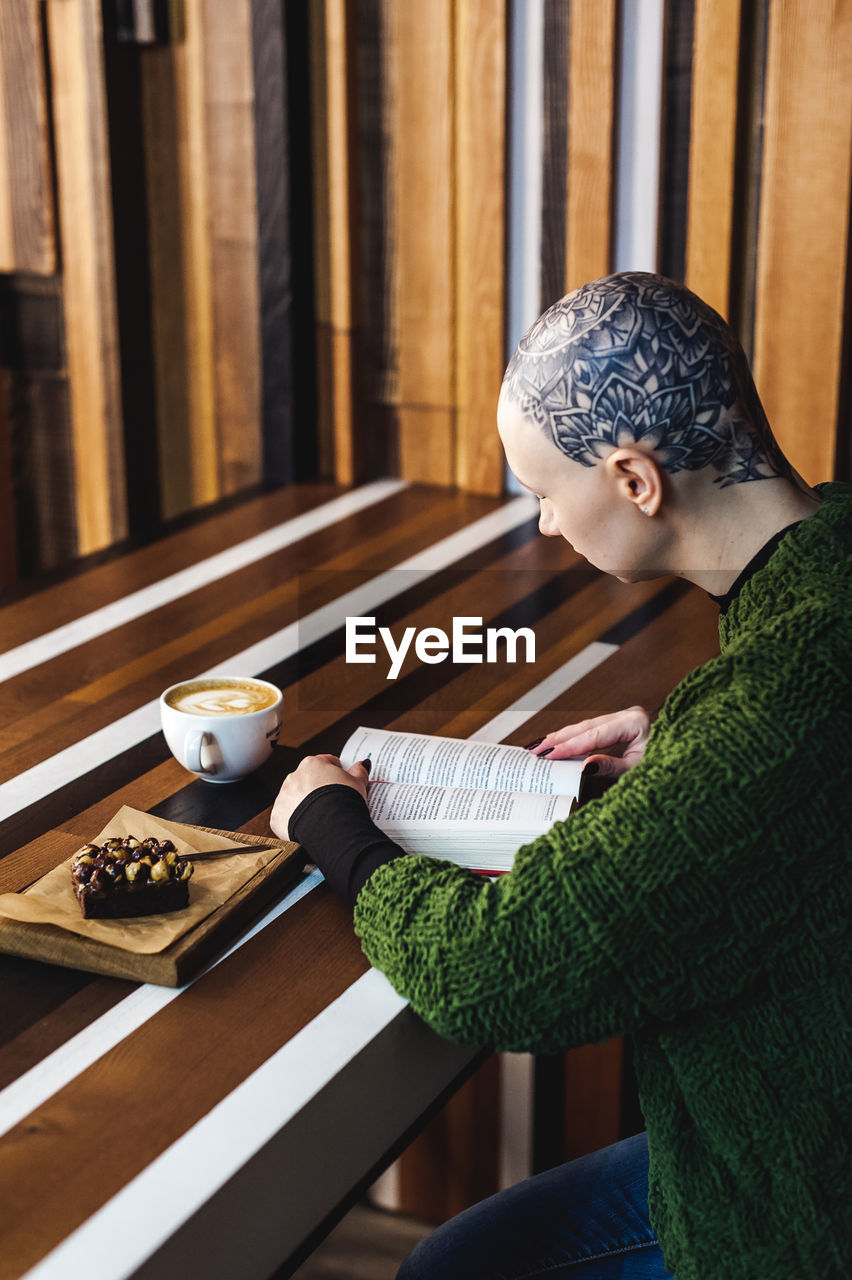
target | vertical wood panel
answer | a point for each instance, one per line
(804, 219)
(27, 241)
(592, 1097)
(591, 87)
(76, 59)
(343, 209)
(322, 240)
(424, 221)
(194, 180)
(336, 228)
(183, 368)
(454, 1161)
(198, 105)
(39, 502)
(554, 151)
(748, 167)
(131, 241)
(7, 226)
(336, 187)
(228, 89)
(480, 104)
(44, 449)
(378, 338)
(8, 538)
(678, 40)
(712, 150)
(274, 161)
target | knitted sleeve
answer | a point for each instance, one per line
(679, 888)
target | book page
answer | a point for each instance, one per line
(400, 806)
(456, 762)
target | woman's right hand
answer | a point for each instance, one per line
(593, 737)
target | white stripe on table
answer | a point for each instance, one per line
(71, 763)
(180, 584)
(117, 1239)
(62, 1066)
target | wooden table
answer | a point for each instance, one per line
(223, 1126)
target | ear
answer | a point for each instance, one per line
(637, 478)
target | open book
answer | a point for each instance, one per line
(474, 803)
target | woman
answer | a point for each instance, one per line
(702, 905)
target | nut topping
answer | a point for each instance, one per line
(129, 863)
(128, 877)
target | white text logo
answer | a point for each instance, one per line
(431, 644)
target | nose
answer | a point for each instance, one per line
(546, 522)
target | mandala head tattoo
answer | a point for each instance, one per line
(635, 357)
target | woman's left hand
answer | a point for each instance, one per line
(313, 772)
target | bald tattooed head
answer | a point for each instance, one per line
(635, 358)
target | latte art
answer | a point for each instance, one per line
(221, 698)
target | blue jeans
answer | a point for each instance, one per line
(587, 1220)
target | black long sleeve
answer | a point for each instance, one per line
(334, 826)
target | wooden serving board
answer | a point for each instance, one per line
(182, 960)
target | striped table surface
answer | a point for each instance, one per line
(222, 1125)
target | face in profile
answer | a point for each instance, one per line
(580, 504)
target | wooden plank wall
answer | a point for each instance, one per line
(408, 106)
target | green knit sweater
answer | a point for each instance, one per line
(701, 906)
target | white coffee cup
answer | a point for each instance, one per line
(221, 727)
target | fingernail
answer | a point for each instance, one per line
(592, 768)
(531, 746)
(544, 753)
(367, 763)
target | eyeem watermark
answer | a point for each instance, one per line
(431, 644)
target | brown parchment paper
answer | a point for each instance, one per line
(51, 900)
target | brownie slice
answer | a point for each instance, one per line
(128, 877)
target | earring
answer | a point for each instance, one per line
(646, 511)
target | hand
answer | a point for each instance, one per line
(631, 727)
(312, 772)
